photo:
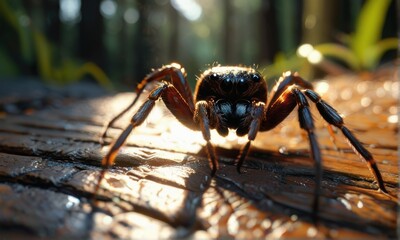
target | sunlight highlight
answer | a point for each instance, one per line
(108, 8)
(322, 87)
(393, 119)
(70, 10)
(190, 9)
(131, 15)
(308, 51)
(304, 50)
(72, 201)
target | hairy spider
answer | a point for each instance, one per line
(236, 98)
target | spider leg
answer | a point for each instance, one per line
(278, 110)
(332, 117)
(202, 114)
(110, 123)
(279, 107)
(257, 115)
(173, 73)
(136, 120)
(286, 80)
(307, 123)
(331, 132)
(178, 107)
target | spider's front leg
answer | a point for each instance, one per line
(264, 119)
(257, 116)
(205, 117)
(278, 109)
(177, 97)
(136, 120)
(173, 73)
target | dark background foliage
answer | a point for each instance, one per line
(123, 40)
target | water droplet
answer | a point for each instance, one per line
(395, 89)
(345, 203)
(206, 177)
(366, 101)
(283, 150)
(380, 92)
(233, 225)
(362, 87)
(266, 223)
(251, 223)
(104, 219)
(393, 110)
(322, 87)
(72, 201)
(277, 223)
(393, 119)
(387, 85)
(116, 199)
(377, 109)
(346, 94)
(311, 232)
(35, 164)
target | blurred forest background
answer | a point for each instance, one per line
(117, 42)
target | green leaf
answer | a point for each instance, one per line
(44, 56)
(7, 66)
(97, 73)
(12, 17)
(339, 52)
(369, 27)
(375, 52)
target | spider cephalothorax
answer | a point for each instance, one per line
(237, 98)
(230, 93)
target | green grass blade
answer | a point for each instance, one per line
(369, 27)
(339, 52)
(375, 52)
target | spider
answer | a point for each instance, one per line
(236, 97)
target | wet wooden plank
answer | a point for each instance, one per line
(161, 186)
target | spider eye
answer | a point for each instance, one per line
(226, 85)
(243, 85)
(255, 77)
(214, 76)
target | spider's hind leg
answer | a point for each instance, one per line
(332, 117)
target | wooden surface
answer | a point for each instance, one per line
(161, 187)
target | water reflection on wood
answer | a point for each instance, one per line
(161, 188)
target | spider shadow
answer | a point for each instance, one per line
(282, 190)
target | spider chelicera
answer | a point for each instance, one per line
(232, 97)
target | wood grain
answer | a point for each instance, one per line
(161, 187)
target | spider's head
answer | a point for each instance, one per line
(231, 83)
(232, 90)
